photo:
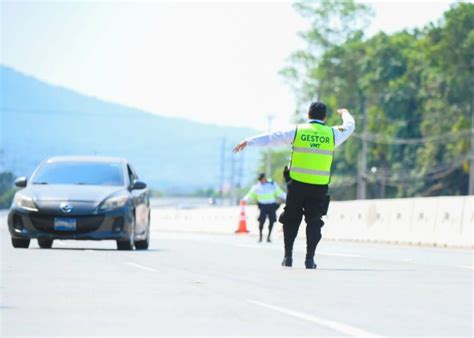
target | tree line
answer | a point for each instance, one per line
(410, 92)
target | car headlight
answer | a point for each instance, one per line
(114, 202)
(25, 202)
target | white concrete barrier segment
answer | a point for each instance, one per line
(435, 221)
(401, 212)
(424, 220)
(467, 226)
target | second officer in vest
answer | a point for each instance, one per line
(308, 176)
(266, 193)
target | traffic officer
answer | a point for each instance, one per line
(308, 174)
(265, 193)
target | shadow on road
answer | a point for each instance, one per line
(100, 249)
(366, 270)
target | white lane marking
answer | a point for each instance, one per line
(464, 267)
(336, 254)
(139, 266)
(336, 326)
(258, 246)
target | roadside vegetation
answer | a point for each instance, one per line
(411, 93)
(6, 189)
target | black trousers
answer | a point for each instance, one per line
(306, 200)
(267, 211)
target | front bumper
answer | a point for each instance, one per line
(116, 225)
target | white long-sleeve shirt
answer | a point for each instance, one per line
(286, 137)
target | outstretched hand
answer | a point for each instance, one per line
(241, 146)
(341, 111)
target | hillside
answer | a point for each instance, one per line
(39, 120)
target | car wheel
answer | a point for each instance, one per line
(144, 244)
(125, 245)
(45, 243)
(20, 243)
(130, 243)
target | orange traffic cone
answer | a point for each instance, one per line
(243, 220)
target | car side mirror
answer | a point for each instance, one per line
(138, 185)
(21, 182)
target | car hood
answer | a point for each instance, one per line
(72, 193)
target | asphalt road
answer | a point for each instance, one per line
(228, 285)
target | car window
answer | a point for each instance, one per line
(82, 173)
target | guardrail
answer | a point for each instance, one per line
(433, 221)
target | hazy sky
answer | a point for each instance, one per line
(208, 61)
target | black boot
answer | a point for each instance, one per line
(287, 261)
(270, 227)
(260, 238)
(309, 263)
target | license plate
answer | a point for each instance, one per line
(64, 224)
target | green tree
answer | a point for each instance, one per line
(6, 189)
(333, 22)
(415, 86)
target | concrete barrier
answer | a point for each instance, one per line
(433, 221)
(467, 226)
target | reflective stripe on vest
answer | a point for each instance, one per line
(312, 156)
(313, 151)
(311, 172)
(266, 198)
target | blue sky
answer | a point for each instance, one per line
(211, 62)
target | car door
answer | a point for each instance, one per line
(141, 203)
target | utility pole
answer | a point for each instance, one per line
(471, 155)
(232, 180)
(362, 172)
(222, 174)
(382, 187)
(240, 171)
(2, 145)
(269, 151)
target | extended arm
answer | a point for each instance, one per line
(278, 138)
(250, 195)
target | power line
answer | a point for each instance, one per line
(410, 175)
(398, 177)
(438, 167)
(379, 118)
(381, 139)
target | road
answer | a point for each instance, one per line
(227, 285)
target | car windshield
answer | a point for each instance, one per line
(87, 173)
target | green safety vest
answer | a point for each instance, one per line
(268, 196)
(264, 198)
(312, 154)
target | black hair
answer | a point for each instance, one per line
(261, 176)
(317, 111)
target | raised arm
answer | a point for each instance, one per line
(342, 132)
